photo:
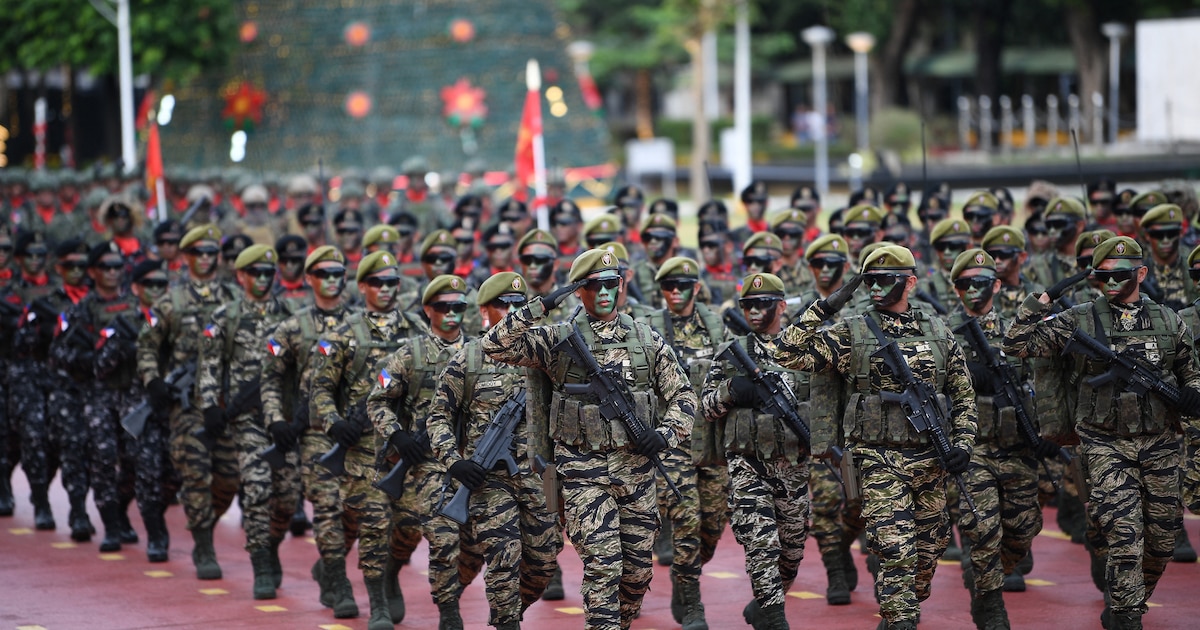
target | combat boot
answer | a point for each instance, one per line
(1026, 563)
(752, 613)
(1127, 621)
(43, 518)
(333, 573)
(772, 618)
(508, 625)
(204, 557)
(837, 593)
(848, 567)
(276, 567)
(111, 518)
(7, 504)
(264, 578)
(677, 607)
(158, 540)
(1071, 516)
(125, 532)
(81, 524)
(693, 616)
(988, 612)
(449, 617)
(1014, 582)
(380, 618)
(554, 590)
(318, 575)
(1183, 548)
(664, 545)
(391, 589)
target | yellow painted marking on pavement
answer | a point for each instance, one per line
(271, 608)
(159, 574)
(112, 556)
(721, 575)
(1054, 533)
(1036, 582)
(64, 545)
(570, 611)
(31, 627)
(1191, 517)
(1153, 605)
(20, 531)
(334, 626)
(312, 541)
(805, 595)
(213, 591)
(949, 563)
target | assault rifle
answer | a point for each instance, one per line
(494, 446)
(1136, 377)
(335, 458)
(274, 457)
(181, 380)
(918, 400)
(393, 482)
(1004, 383)
(610, 392)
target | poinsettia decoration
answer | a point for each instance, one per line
(243, 107)
(464, 104)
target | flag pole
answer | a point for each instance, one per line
(533, 83)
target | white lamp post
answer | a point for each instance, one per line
(818, 37)
(861, 43)
(1115, 32)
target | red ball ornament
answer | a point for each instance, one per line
(462, 31)
(358, 104)
(357, 33)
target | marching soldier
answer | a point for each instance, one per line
(979, 211)
(861, 226)
(658, 237)
(537, 254)
(1162, 227)
(789, 226)
(754, 200)
(949, 238)
(1064, 222)
(290, 287)
(1006, 246)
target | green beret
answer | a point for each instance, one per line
(1065, 205)
(1121, 247)
(617, 249)
(764, 240)
(437, 238)
(791, 215)
(444, 283)
(1091, 240)
(983, 199)
(949, 228)
(1003, 236)
(592, 262)
(1194, 257)
(382, 233)
(207, 232)
(537, 236)
(974, 258)
(863, 213)
(603, 224)
(867, 249)
(1148, 200)
(501, 283)
(374, 263)
(828, 244)
(890, 257)
(324, 252)
(256, 254)
(761, 284)
(1164, 213)
(678, 267)
(657, 223)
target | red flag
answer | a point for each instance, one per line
(154, 163)
(531, 126)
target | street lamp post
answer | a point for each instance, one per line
(861, 43)
(1115, 32)
(818, 37)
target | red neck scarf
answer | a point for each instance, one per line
(416, 196)
(129, 244)
(720, 270)
(756, 226)
(291, 285)
(39, 280)
(46, 212)
(76, 293)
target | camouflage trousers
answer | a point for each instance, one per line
(611, 515)
(452, 565)
(519, 540)
(835, 523)
(269, 495)
(712, 485)
(769, 509)
(69, 429)
(908, 527)
(1134, 502)
(1004, 485)
(208, 474)
(684, 514)
(1190, 480)
(30, 383)
(334, 534)
(113, 457)
(156, 479)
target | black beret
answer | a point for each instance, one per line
(628, 192)
(27, 239)
(348, 216)
(146, 267)
(98, 251)
(71, 246)
(236, 242)
(403, 218)
(170, 226)
(291, 245)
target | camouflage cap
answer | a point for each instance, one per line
(1003, 236)
(982, 199)
(351, 189)
(383, 176)
(1091, 239)
(208, 232)
(382, 233)
(437, 238)
(1065, 205)
(791, 215)
(1119, 247)
(1148, 200)
(974, 258)
(764, 240)
(600, 262)
(1194, 257)
(501, 283)
(256, 254)
(863, 213)
(444, 283)
(323, 253)
(660, 223)
(828, 244)
(1163, 214)
(949, 228)
(618, 249)
(890, 257)
(678, 267)
(761, 284)
(536, 237)
(42, 180)
(291, 246)
(606, 224)
(372, 264)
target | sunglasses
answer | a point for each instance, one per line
(292, 260)
(119, 214)
(975, 282)
(858, 233)
(1103, 276)
(349, 230)
(884, 280)
(950, 246)
(1127, 212)
(827, 262)
(168, 241)
(758, 303)
(405, 232)
(530, 260)
(657, 236)
(438, 259)
(1003, 254)
(204, 251)
(379, 283)
(977, 215)
(495, 247)
(595, 242)
(1083, 262)
(565, 222)
(154, 284)
(110, 266)
(1058, 224)
(762, 262)
(314, 223)
(710, 244)
(256, 206)
(1036, 231)
(933, 216)
(607, 283)
(260, 272)
(449, 307)
(669, 285)
(789, 233)
(73, 264)
(513, 218)
(465, 240)
(1194, 274)
(1162, 235)
(328, 274)
(507, 300)
(34, 254)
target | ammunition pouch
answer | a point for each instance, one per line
(872, 421)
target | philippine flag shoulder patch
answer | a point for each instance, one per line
(385, 379)
(324, 347)
(274, 348)
(210, 331)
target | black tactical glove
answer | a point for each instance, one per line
(957, 460)
(651, 442)
(159, 394)
(468, 473)
(214, 422)
(344, 433)
(407, 446)
(283, 435)
(1046, 449)
(741, 391)
(1057, 290)
(556, 296)
(839, 298)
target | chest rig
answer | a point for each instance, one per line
(708, 438)
(762, 436)
(996, 425)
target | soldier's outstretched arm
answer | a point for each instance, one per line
(392, 374)
(518, 339)
(446, 411)
(150, 341)
(675, 390)
(208, 371)
(1037, 333)
(805, 346)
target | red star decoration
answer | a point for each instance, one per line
(464, 104)
(243, 106)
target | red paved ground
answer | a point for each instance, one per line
(46, 581)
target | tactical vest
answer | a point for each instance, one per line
(428, 361)
(103, 313)
(499, 382)
(708, 438)
(1109, 408)
(365, 347)
(575, 419)
(192, 315)
(996, 425)
(868, 419)
(762, 436)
